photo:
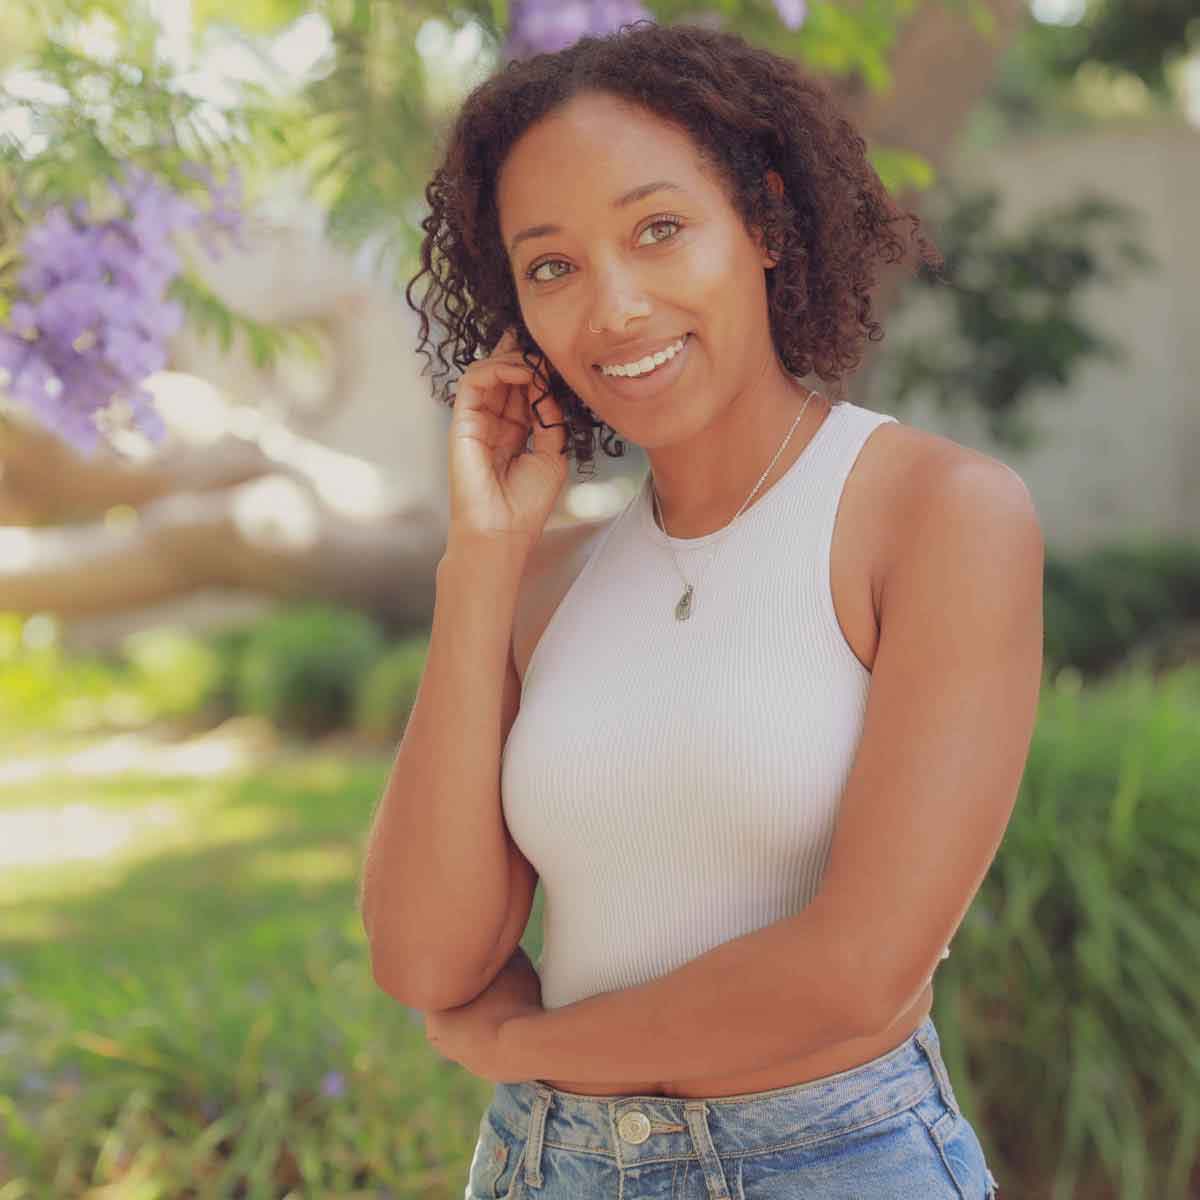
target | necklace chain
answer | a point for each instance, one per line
(683, 609)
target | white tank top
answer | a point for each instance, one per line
(675, 783)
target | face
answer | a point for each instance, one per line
(591, 242)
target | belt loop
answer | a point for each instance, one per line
(695, 1112)
(927, 1040)
(537, 1126)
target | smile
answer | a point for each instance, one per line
(645, 378)
(644, 366)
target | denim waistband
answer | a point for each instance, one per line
(635, 1129)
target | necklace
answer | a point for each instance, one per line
(683, 609)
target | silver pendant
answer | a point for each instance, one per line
(683, 609)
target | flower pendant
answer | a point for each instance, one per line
(683, 609)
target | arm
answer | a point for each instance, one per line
(950, 715)
(770, 995)
(438, 874)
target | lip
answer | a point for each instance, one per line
(643, 386)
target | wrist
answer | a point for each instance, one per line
(515, 1049)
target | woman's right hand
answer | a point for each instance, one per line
(497, 488)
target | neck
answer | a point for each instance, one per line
(703, 482)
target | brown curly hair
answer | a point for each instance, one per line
(748, 111)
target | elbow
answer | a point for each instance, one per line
(401, 987)
(424, 993)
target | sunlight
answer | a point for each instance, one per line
(75, 832)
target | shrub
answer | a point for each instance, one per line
(1074, 975)
(302, 667)
(1101, 605)
(389, 689)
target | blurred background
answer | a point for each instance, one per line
(223, 496)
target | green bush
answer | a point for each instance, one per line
(1102, 605)
(174, 672)
(1072, 981)
(389, 689)
(302, 667)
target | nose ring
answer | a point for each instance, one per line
(590, 326)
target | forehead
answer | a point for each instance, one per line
(592, 149)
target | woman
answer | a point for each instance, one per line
(808, 611)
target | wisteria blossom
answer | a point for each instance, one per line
(792, 12)
(92, 320)
(543, 26)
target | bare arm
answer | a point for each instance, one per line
(439, 861)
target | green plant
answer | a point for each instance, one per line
(174, 672)
(1101, 605)
(389, 689)
(1073, 979)
(302, 667)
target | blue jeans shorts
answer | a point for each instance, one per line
(889, 1129)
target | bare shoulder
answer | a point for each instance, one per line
(929, 479)
(553, 564)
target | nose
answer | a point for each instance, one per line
(618, 300)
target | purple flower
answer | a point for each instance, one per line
(792, 12)
(94, 320)
(334, 1084)
(543, 26)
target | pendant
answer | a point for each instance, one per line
(683, 609)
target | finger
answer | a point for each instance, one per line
(482, 390)
(508, 341)
(516, 404)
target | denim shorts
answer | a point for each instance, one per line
(889, 1129)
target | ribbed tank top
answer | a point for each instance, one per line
(675, 783)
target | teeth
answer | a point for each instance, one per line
(643, 365)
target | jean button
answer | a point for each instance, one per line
(634, 1127)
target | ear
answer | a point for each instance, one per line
(774, 181)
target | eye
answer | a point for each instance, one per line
(673, 223)
(658, 222)
(532, 273)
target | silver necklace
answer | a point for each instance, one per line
(683, 609)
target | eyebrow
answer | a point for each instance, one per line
(630, 197)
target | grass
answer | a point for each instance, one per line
(194, 1015)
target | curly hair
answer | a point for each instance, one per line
(747, 111)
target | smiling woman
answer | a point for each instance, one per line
(759, 809)
(744, 147)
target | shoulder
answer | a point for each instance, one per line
(958, 518)
(934, 491)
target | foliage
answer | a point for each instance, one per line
(301, 667)
(388, 691)
(1117, 601)
(90, 117)
(1073, 978)
(1014, 300)
(1144, 39)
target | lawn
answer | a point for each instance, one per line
(186, 1007)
